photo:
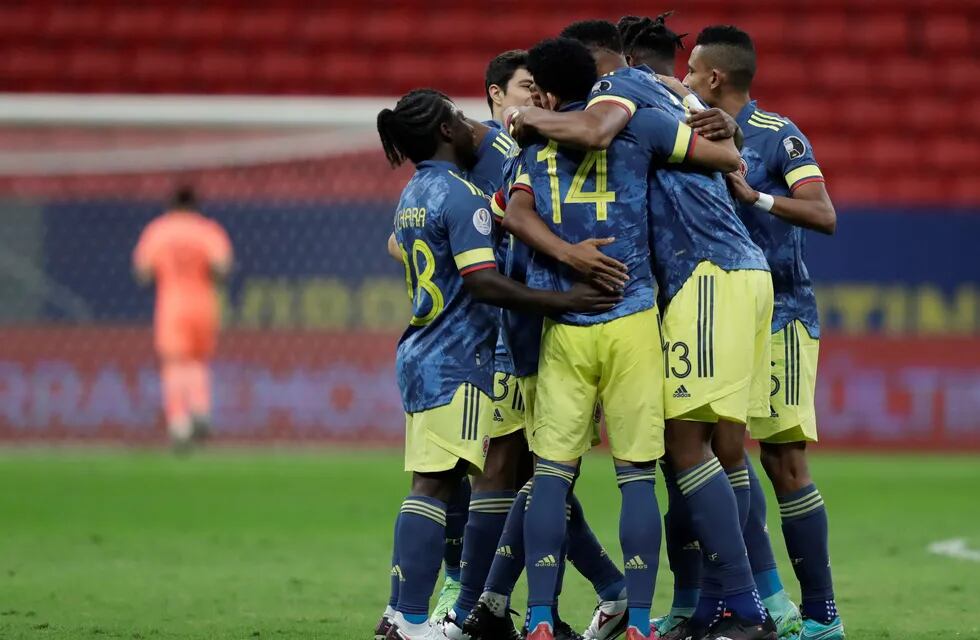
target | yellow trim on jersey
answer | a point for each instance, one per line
(681, 144)
(629, 104)
(523, 180)
(801, 173)
(475, 190)
(766, 122)
(503, 144)
(765, 116)
(497, 210)
(473, 256)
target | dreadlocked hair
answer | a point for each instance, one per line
(409, 130)
(650, 34)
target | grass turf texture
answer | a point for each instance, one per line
(296, 545)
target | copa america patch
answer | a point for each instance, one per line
(482, 221)
(794, 147)
(743, 167)
(602, 85)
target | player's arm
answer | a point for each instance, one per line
(593, 128)
(491, 287)
(143, 259)
(809, 205)
(523, 221)
(677, 143)
(393, 249)
(220, 253)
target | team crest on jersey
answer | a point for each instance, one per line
(602, 85)
(743, 167)
(486, 445)
(794, 147)
(482, 221)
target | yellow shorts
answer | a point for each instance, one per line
(529, 386)
(508, 405)
(717, 346)
(436, 439)
(616, 363)
(792, 417)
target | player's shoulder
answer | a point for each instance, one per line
(770, 125)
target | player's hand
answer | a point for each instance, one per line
(740, 188)
(713, 124)
(607, 273)
(585, 297)
(674, 85)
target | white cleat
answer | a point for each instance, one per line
(401, 629)
(451, 629)
(608, 622)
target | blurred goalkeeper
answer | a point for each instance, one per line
(186, 254)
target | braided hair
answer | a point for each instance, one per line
(410, 129)
(643, 37)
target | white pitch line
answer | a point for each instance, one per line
(955, 548)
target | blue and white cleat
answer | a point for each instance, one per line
(813, 630)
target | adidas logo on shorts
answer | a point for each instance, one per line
(497, 416)
(636, 562)
(681, 392)
(547, 561)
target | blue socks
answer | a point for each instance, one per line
(757, 543)
(395, 569)
(488, 514)
(683, 548)
(714, 516)
(456, 515)
(420, 540)
(739, 479)
(805, 529)
(508, 561)
(639, 536)
(588, 556)
(544, 534)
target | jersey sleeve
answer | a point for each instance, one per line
(218, 245)
(492, 155)
(469, 225)
(615, 89)
(667, 138)
(791, 156)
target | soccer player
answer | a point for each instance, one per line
(613, 356)
(782, 192)
(186, 254)
(445, 357)
(705, 262)
(650, 42)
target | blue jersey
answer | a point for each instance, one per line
(443, 227)
(521, 332)
(598, 194)
(778, 159)
(692, 215)
(494, 151)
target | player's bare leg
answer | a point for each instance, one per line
(174, 382)
(199, 398)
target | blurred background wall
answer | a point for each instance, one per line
(887, 92)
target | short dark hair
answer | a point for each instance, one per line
(732, 51)
(595, 34)
(563, 67)
(409, 130)
(502, 68)
(643, 36)
(184, 197)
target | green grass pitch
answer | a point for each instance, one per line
(232, 544)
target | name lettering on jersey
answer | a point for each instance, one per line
(410, 217)
(766, 121)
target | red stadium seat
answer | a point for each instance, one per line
(224, 70)
(391, 30)
(881, 31)
(821, 31)
(285, 70)
(200, 24)
(95, 67)
(948, 34)
(74, 22)
(263, 25)
(157, 70)
(20, 21)
(960, 75)
(332, 28)
(129, 24)
(842, 73)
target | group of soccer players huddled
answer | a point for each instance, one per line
(615, 247)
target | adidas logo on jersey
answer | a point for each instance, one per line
(636, 562)
(397, 571)
(681, 392)
(547, 561)
(504, 551)
(497, 416)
